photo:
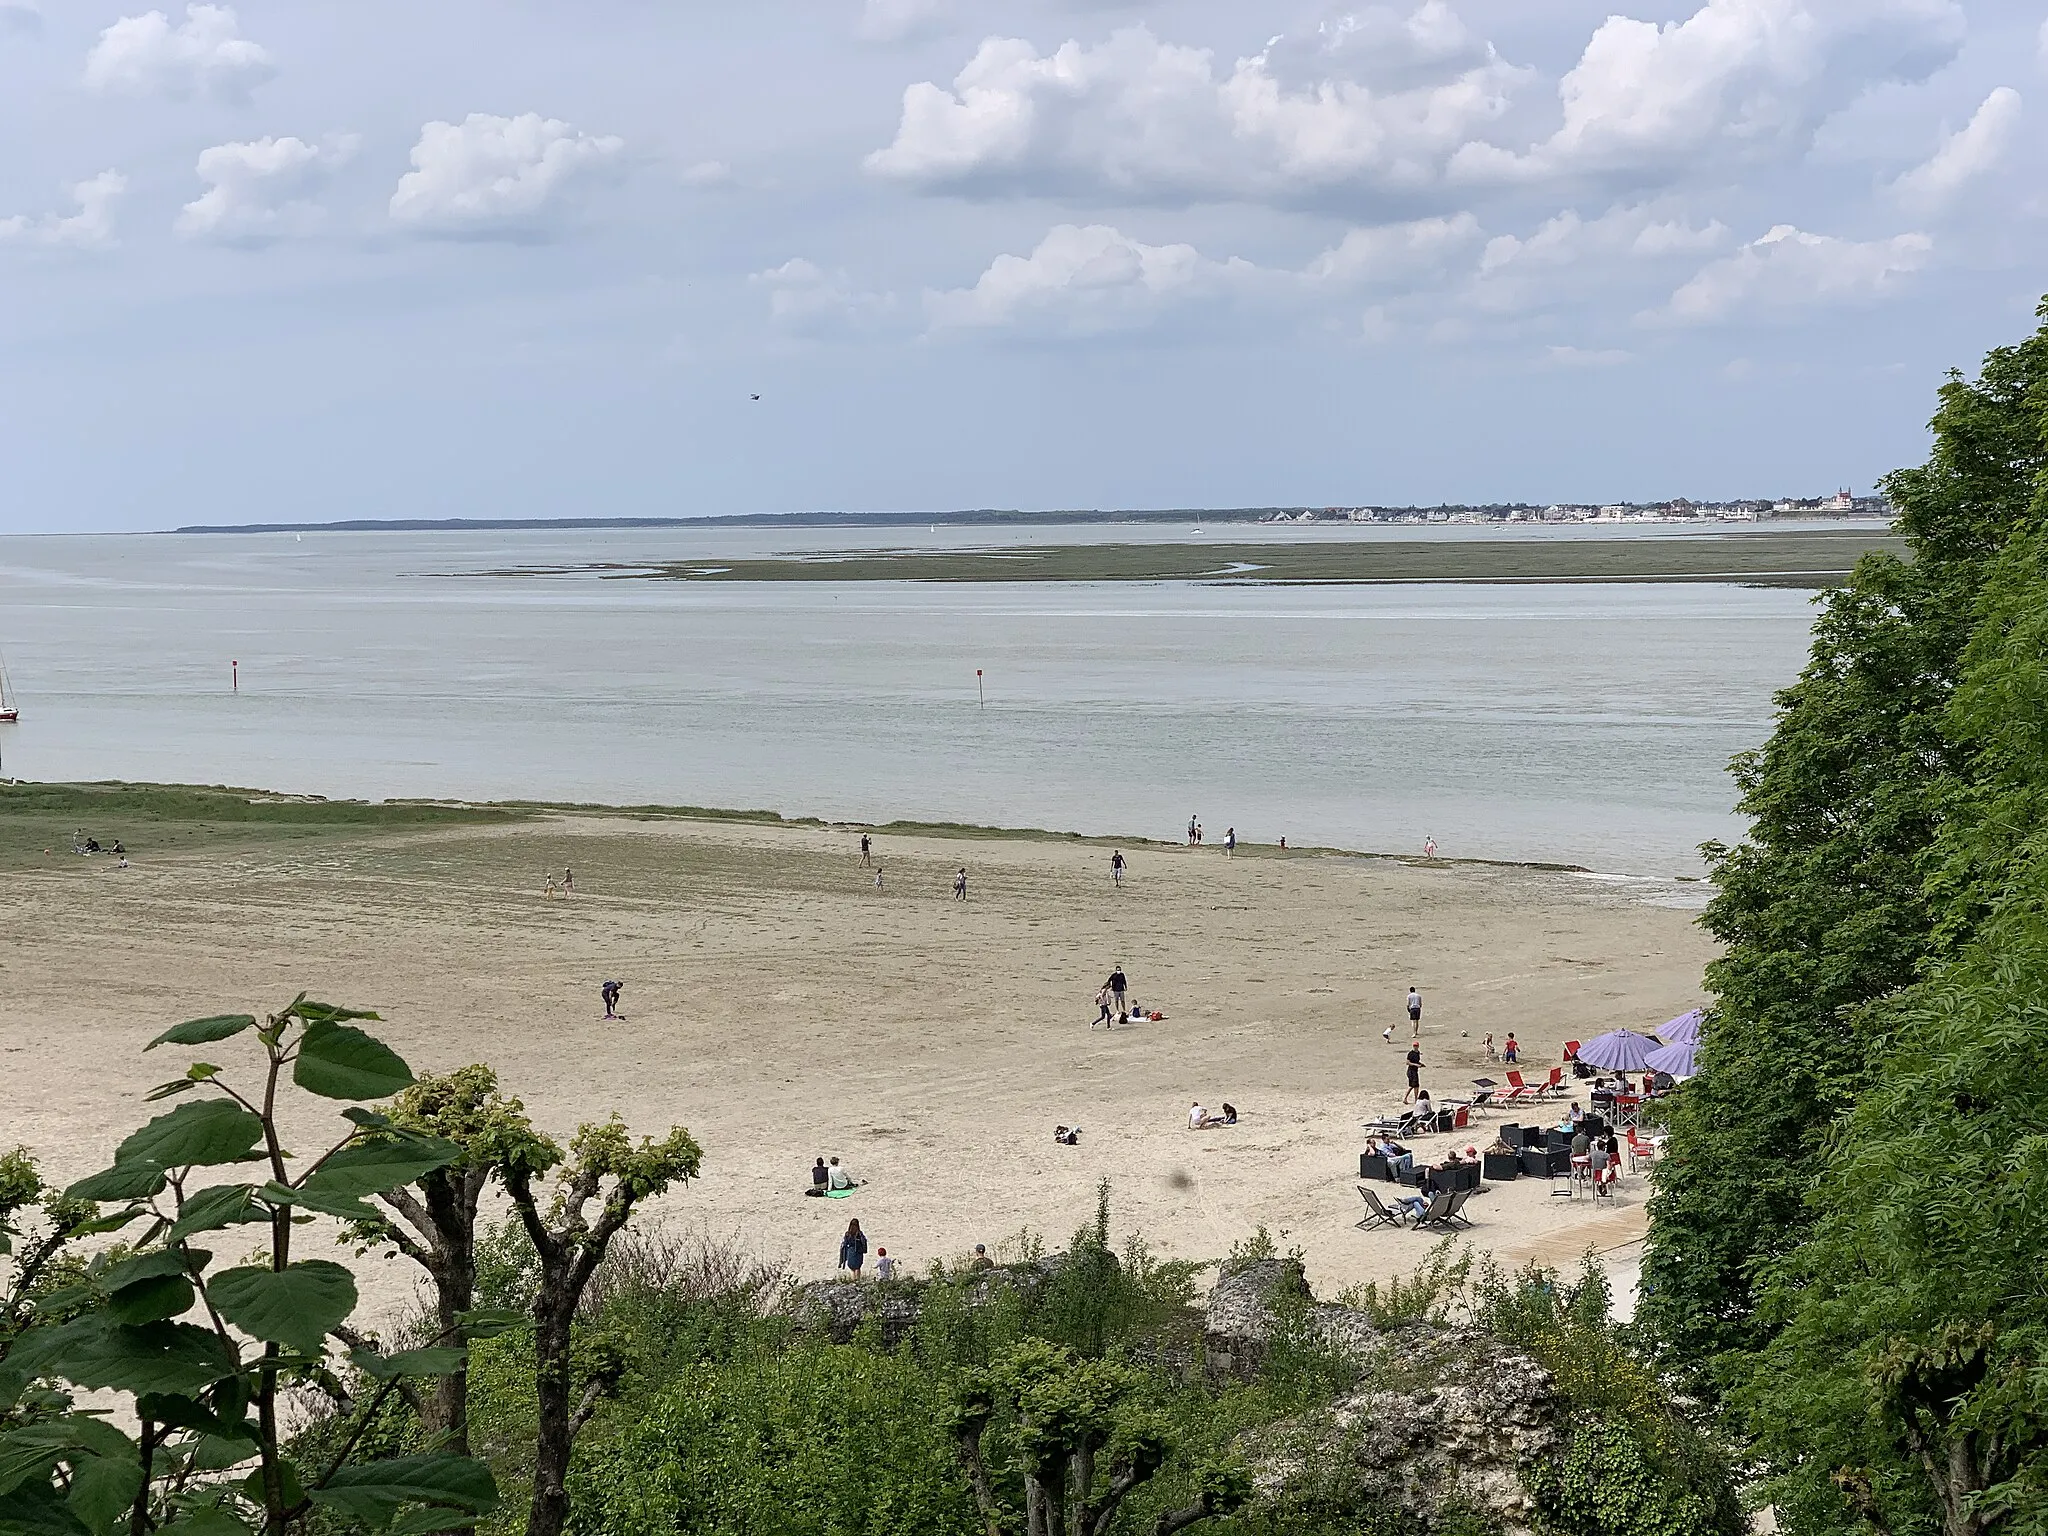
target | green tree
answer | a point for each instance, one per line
(1080, 1443)
(605, 1165)
(204, 1396)
(436, 1214)
(1825, 909)
(1907, 1384)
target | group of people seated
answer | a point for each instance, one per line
(1067, 1135)
(1199, 1119)
(1429, 1185)
(829, 1174)
(1598, 1156)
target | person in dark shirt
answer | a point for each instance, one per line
(1119, 984)
(1414, 1072)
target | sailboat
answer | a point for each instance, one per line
(8, 713)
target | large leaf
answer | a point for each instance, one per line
(37, 1509)
(375, 1491)
(339, 1061)
(30, 1452)
(409, 1362)
(209, 1131)
(216, 1206)
(347, 1207)
(150, 1286)
(203, 1031)
(299, 1305)
(152, 1300)
(209, 1520)
(124, 1181)
(421, 1520)
(190, 1413)
(370, 1167)
(104, 1487)
(138, 1358)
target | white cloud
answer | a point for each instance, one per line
(1141, 119)
(708, 173)
(1084, 279)
(205, 55)
(1965, 154)
(92, 225)
(1582, 357)
(1791, 270)
(805, 298)
(498, 176)
(893, 21)
(1736, 82)
(1397, 253)
(260, 190)
(1569, 258)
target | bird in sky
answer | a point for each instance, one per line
(753, 397)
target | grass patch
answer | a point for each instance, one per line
(166, 818)
(1791, 558)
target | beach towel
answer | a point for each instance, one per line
(837, 1194)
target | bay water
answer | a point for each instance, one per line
(1580, 724)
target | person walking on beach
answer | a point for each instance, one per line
(1428, 846)
(960, 884)
(1118, 984)
(885, 1267)
(1116, 867)
(548, 890)
(867, 848)
(878, 877)
(568, 882)
(1103, 1000)
(1414, 1008)
(1194, 826)
(853, 1248)
(1230, 842)
(610, 993)
(1415, 1065)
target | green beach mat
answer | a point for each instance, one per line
(837, 1194)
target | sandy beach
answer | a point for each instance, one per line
(782, 1008)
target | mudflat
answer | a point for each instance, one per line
(782, 1007)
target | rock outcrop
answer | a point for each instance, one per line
(1445, 1421)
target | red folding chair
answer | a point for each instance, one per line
(1571, 1051)
(1554, 1084)
(1517, 1089)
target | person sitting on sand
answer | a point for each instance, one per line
(1398, 1157)
(1198, 1117)
(1067, 1135)
(1229, 1113)
(821, 1178)
(837, 1177)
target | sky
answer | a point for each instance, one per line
(536, 258)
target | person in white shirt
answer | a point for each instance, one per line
(838, 1177)
(1198, 1118)
(885, 1267)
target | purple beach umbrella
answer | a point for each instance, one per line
(1684, 1029)
(1680, 1059)
(1620, 1049)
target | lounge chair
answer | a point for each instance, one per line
(1571, 1050)
(1438, 1212)
(1457, 1211)
(1462, 1119)
(1553, 1086)
(1376, 1215)
(1517, 1089)
(1483, 1099)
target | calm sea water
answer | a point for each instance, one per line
(1587, 724)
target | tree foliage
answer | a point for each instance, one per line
(197, 1352)
(1828, 907)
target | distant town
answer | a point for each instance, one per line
(1841, 504)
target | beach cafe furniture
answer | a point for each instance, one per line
(1683, 1030)
(1680, 1059)
(1620, 1050)
(1376, 1214)
(1446, 1210)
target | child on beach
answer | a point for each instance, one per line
(610, 993)
(1102, 1006)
